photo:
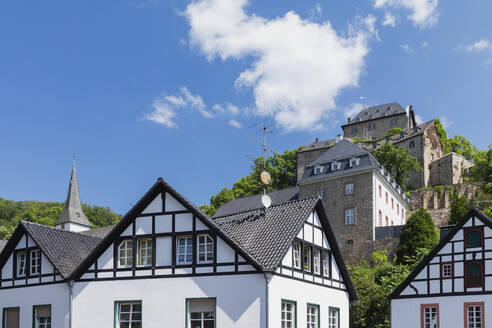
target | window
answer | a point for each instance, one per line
(387, 221)
(380, 192)
(447, 270)
(394, 122)
(473, 238)
(326, 264)
(11, 317)
(312, 316)
(411, 144)
(354, 130)
(321, 193)
(403, 215)
(307, 156)
(317, 261)
(335, 166)
(296, 252)
(35, 262)
(307, 257)
(354, 161)
(397, 209)
(333, 317)
(185, 250)
(386, 197)
(350, 216)
(473, 275)
(429, 315)
(380, 218)
(350, 242)
(144, 252)
(129, 314)
(205, 249)
(42, 316)
(201, 313)
(349, 189)
(126, 254)
(474, 316)
(392, 203)
(371, 126)
(21, 264)
(288, 319)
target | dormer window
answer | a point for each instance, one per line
(354, 161)
(335, 166)
(21, 264)
(318, 169)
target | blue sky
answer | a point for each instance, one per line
(145, 88)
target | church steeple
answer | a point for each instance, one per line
(72, 217)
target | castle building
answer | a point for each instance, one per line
(166, 262)
(452, 286)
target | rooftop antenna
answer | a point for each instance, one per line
(363, 99)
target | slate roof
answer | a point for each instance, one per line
(249, 203)
(318, 145)
(2, 244)
(98, 232)
(473, 212)
(378, 111)
(341, 152)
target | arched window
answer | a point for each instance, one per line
(473, 238)
(474, 275)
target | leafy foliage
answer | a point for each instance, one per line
(482, 170)
(419, 232)
(398, 161)
(282, 169)
(462, 146)
(392, 132)
(459, 207)
(46, 213)
(442, 136)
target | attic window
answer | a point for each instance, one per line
(354, 161)
(473, 238)
(35, 262)
(21, 264)
(335, 166)
(318, 169)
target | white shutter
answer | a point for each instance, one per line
(201, 306)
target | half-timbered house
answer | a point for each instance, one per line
(452, 286)
(167, 264)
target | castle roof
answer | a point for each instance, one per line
(318, 145)
(72, 212)
(376, 112)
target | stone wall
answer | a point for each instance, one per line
(450, 169)
(304, 158)
(381, 126)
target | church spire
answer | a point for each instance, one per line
(72, 217)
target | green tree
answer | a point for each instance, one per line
(482, 170)
(398, 162)
(419, 232)
(442, 136)
(459, 207)
(392, 132)
(460, 145)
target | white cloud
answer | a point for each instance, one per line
(235, 124)
(389, 20)
(299, 66)
(227, 109)
(419, 119)
(422, 12)
(166, 107)
(482, 45)
(353, 109)
(409, 50)
(446, 123)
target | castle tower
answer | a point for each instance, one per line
(72, 217)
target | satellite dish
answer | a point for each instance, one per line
(265, 177)
(266, 200)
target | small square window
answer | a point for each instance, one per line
(318, 169)
(307, 156)
(447, 270)
(335, 166)
(129, 315)
(411, 144)
(349, 189)
(321, 194)
(354, 161)
(371, 127)
(350, 242)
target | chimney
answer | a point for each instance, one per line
(317, 139)
(348, 119)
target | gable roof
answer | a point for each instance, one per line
(378, 111)
(267, 234)
(65, 250)
(159, 187)
(98, 232)
(253, 202)
(342, 149)
(474, 212)
(318, 144)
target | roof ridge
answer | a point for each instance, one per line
(254, 195)
(56, 229)
(276, 205)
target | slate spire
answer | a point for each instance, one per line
(72, 212)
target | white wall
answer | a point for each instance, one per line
(240, 300)
(380, 203)
(405, 313)
(303, 293)
(25, 298)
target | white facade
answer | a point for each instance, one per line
(389, 206)
(138, 269)
(453, 281)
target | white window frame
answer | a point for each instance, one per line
(350, 216)
(35, 267)
(296, 253)
(318, 169)
(21, 269)
(312, 315)
(125, 254)
(354, 161)
(144, 252)
(42, 322)
(130, 321)
(431, 318)
(288, 314)
(326, 264)
(316, 261)
(203, 315)
(349, 189)
(184, 250)
(333, 317)
(447, 270)
(321, 193)
(306, 256)
(205, 248)
(335, 166)
(474, 318)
